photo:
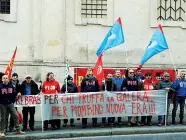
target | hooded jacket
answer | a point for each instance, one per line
(89, 84)
(7, 94)
(130, 84)
(51, 87)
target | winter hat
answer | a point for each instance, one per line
(28, 76)
(14, 74)
(166, 74)
(69, 78)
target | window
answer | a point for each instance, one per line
(8, 10)
(5, 6)
(94, 12)
(94, 8)
(171, 10)
(168, 13)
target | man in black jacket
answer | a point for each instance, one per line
(130, 83)
(89, 84)
(15, 82)
(71, 88)
(110, 86)
(28, 87)
(7, 100)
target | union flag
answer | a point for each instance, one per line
(98, 70)
(10, 65)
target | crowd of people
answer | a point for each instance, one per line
(9, 89)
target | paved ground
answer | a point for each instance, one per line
(167, 136)
(77, 131)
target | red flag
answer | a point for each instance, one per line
(98, 70)
(9, 68)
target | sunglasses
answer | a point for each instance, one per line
(131, 72)
(148, 75)
(28, 78)
(166, 76)
(5, 78)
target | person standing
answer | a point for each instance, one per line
(118, 80)
(27, 88)
(180, 94)
(15, 82)
(147, 84)
(71, 88)
(7, 100)
(110, 86)
(51, 86)
(89, 84)
(139, 75)
(167, 85)
(130, 83)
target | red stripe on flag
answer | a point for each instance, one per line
(10, 65)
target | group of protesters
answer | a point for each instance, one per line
(9, 89)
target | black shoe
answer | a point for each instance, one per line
(53, 128)
(32, 129)
(72, 125)
(181, 122)
(11, 129)
(103, 125)
(84, 125)
(24, 129)
(45, 128)
(173, 122)
(64, 125)
(94, 124)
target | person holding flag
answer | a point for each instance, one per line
(71, 88)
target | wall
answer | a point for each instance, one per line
(45, 33)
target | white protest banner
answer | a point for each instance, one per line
(104, 104)
(30, 100)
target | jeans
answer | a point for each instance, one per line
(3, 117)
(181, 102)
(161, 118)
(11, 125)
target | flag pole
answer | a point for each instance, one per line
(172, 61)
(126, 55)
(66, 75)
